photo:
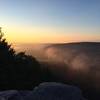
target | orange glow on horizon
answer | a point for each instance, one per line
(44, 35)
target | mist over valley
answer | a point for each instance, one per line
(69, 60)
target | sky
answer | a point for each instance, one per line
(50, 21)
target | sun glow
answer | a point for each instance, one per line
(33, 34)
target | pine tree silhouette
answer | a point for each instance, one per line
(17, 70)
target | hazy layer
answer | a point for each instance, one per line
(82, 58)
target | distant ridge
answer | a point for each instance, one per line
(73, 43)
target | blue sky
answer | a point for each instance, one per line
(63, 17)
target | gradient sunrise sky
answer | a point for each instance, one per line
(50, 21)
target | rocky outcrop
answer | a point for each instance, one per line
(45, 91)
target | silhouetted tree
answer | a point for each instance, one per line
(17, 70)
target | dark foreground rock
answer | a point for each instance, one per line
(45, 91)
